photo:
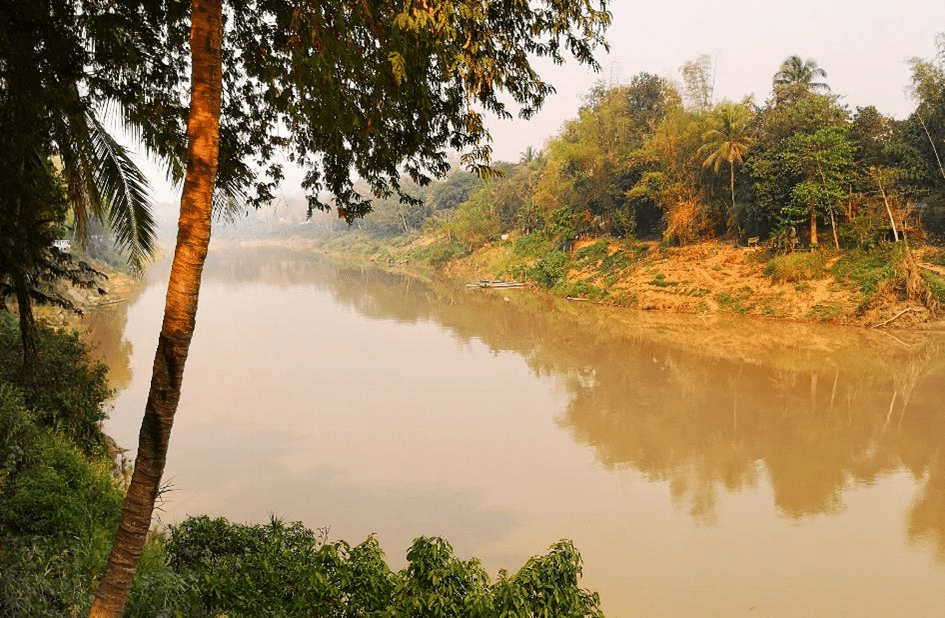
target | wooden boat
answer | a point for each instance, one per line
(487, 283)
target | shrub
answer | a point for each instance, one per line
(796, 267)
(286, 570)
(55, 492)
(67, 390)
(867, 270)
(549, 269)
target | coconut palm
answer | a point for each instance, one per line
(54, 141)
(729, 142)
(797, 72)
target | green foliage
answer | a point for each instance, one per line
(796, 267)
(59, 502)
(823, 161)
(530, 246)
(550, 269)
(795, 135)
(867, 270)
(860, 232)
(442, 251)
(454, 190)
(935, 285)
(739, 301)
(53, 491)
(592, 255)
(659, 280)
(547, 586)
(210, 567)
(580, 289)
(66, 391)
(476, 221)
(43, 580)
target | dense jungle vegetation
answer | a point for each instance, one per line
(659, 162)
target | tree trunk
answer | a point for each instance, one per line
(813, 227)
(833, 228)
(27, 325)
(731, 214)
(892, 221)
(193, 238)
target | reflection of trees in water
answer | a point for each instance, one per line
(106, 328)
(700, 406)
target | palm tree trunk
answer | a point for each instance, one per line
(731, 213)
(193, 238)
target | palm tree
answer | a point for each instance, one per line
(801, 73)
(180, 311)
(730, 142)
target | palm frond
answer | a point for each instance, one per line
(124, 192)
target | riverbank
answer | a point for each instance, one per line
(882, 287)
(115, 288)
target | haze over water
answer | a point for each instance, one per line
(702, 467)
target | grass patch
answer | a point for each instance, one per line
(739, 301)
(825, 313)
(935, 285)
(866, 270)
(550, 269)
(439, 253)
(659, 280)
(615, 263)
(592, 254)
(530, 246)
(626, 298)
(580, 289)
(796, 267)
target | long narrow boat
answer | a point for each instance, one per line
(486, 283)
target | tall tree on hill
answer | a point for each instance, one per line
(375, 86)
(796, 72)
(928, 90)
(729, 143)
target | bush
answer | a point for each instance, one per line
(67, 390)
(441, 252)
(56, 493)
(867, 270)
(286, 570)
(549, 269)
(796, 267)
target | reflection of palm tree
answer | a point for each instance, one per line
(730, 142)
(797, 72)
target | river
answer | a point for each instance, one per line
(703, 467)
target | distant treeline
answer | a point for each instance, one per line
(654, 159)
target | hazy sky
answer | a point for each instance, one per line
(862, 45)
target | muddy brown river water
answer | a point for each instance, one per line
(702, 467)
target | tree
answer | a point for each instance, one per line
(774, 169)
(928, 89)
(699, 82)
(798, 73)
(729, 142)
(824, 161)
(369, 86)
(649, 99)
(59, 155)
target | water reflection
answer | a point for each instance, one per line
(702, 405)
(719, 411)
